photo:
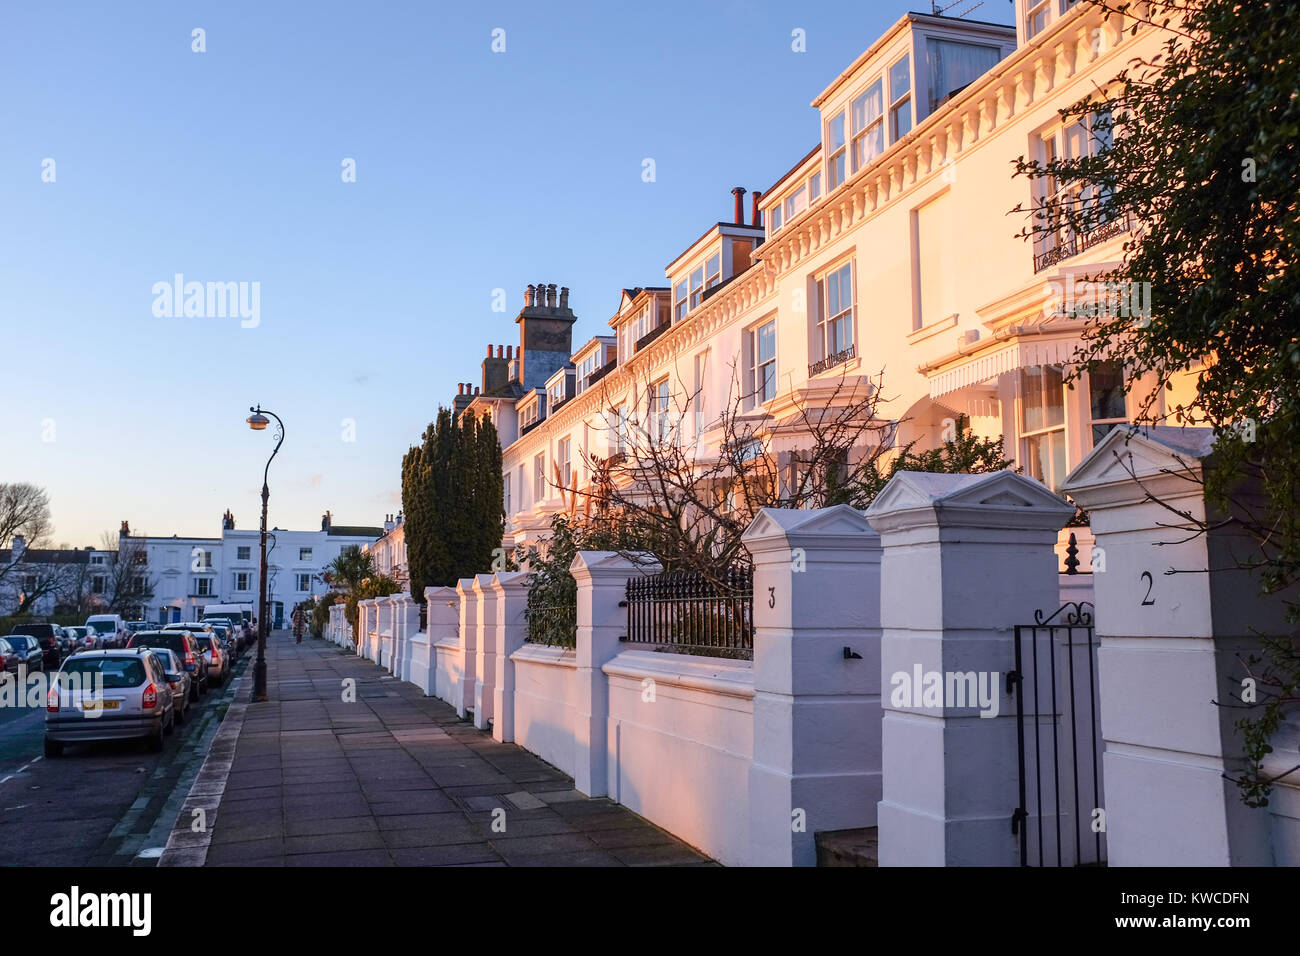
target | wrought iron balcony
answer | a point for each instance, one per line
(1073, 244)
(830, 361)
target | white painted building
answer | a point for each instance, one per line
(189, 573)
(887, 248)
(389, 552)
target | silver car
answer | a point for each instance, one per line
(178, 679)
(109, 695)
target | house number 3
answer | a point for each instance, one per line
(771, 597)
(1148, 600)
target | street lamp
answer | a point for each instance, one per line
(258, 422)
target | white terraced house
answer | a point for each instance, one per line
(888, 247)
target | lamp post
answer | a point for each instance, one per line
(258, 422)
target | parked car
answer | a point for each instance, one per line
(228, 641)
(136, 700)
(28, 650)
(49, 637)
(106, 628)
(186, 648)
(9, 658)
(178, 679)
(217, 658)
(77, 635)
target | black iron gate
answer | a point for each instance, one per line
(1060, 820)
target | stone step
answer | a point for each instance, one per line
(846, 847)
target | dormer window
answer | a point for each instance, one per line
(868, 126)
(954, 66)
(796, 202)
(680, 305)
(900, 99)
(697, 286)
(713, 270)
(837, 148)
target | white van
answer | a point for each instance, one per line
(235, 614)
(105, 628)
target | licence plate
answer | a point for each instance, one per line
(99, 705)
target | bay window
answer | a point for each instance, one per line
(1042, 423)
(1106, 398)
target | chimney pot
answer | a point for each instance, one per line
(550, 296)
(460, 388)
(528, 296)
(489, 355)
(756, 217)
(510, 351)
(500, 351)
(739, 193)
(475, 389)
(564, 297)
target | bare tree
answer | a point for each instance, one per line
(24, 513)
(689, 494)
(129, 586)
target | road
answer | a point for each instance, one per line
(103, 804)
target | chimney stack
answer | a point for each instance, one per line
(739, 193)
(756, 217)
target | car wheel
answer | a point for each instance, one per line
(179, 711)
(171, 724)
(53, 748)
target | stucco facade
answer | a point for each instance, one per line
(888, 252)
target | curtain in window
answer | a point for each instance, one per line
(953, 65)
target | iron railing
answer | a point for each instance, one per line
(831, 361)
(685, 613)
(1058, 740)
(1074, 244)
(553, 624)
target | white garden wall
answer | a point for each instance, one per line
(545, 699)
(681, 740)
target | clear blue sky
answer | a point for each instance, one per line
(475, 171)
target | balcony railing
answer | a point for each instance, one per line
(1073, 245)
(831, 361)
(650, 336)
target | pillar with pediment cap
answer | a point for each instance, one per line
(965, 559)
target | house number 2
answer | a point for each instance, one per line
(1148, 600)
(771, 597)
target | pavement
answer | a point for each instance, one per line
(347, 766)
